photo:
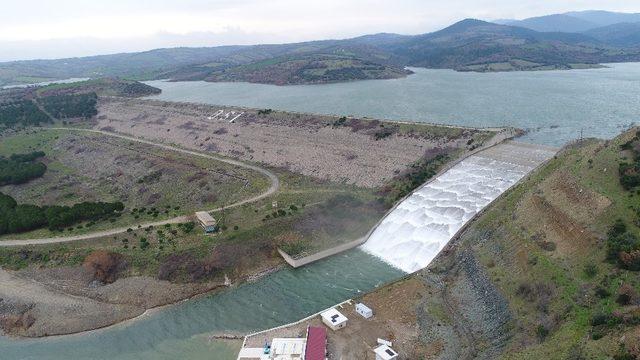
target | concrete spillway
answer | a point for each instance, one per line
(418, 228)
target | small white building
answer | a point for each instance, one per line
(288, 348)
(364, 310)
(383, 352)
(207, 222)
(334, 319)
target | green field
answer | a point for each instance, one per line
(154, 184)
(305, 215)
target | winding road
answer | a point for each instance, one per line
(273, 188)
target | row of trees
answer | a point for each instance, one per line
(15, 218)
(27, 113)
(23, 112)
(20, 168)
(71, 106)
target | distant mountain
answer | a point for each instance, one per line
(555, 23)
(622, 35)
(482, 46)
(576, 21)
(468, 45)
(605, 18)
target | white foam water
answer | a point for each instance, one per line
(411, 235)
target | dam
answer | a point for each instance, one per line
(419, 227)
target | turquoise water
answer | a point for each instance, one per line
(179, 332)
(554, 105)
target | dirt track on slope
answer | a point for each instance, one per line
(273, 188)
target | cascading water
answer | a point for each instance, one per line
(412, 234)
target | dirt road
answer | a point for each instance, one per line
(273, 188)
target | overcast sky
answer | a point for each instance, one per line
(60, 28)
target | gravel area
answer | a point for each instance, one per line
(44, 302)
(312, 145)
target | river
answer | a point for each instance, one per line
(556, 106)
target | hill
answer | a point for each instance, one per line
(101, 86)
(469, 45)
(605, 18)
(474, 45)
(554, 23)
(622, 34)
(575, 21)
(549, 271)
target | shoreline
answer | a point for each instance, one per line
(337, 116)
(250, 278)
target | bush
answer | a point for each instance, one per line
(187, 227)
(602, 319)
(144, 243)
(623, 247)
(626, 295)
(71, 106)
(104, 265)
(541, 332)
(591, 270)
(416, 175)
(21, 168)
(630, 260)
(602, 293)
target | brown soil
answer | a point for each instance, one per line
(546, 213)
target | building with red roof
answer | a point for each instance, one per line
(316, 343)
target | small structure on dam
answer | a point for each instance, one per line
(364, 310)
(418, 228)
(334, 319)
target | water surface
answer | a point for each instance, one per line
(180, 331)
(555, 105)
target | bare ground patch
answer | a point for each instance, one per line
(308, 144)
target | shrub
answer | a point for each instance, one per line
(602, 292)
(591, 270)
(541, 332)
(21, 168)
(626, 295)
(104, 265)
(630, 260)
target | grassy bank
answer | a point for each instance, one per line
(542, 274)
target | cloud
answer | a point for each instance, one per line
(44, 28)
